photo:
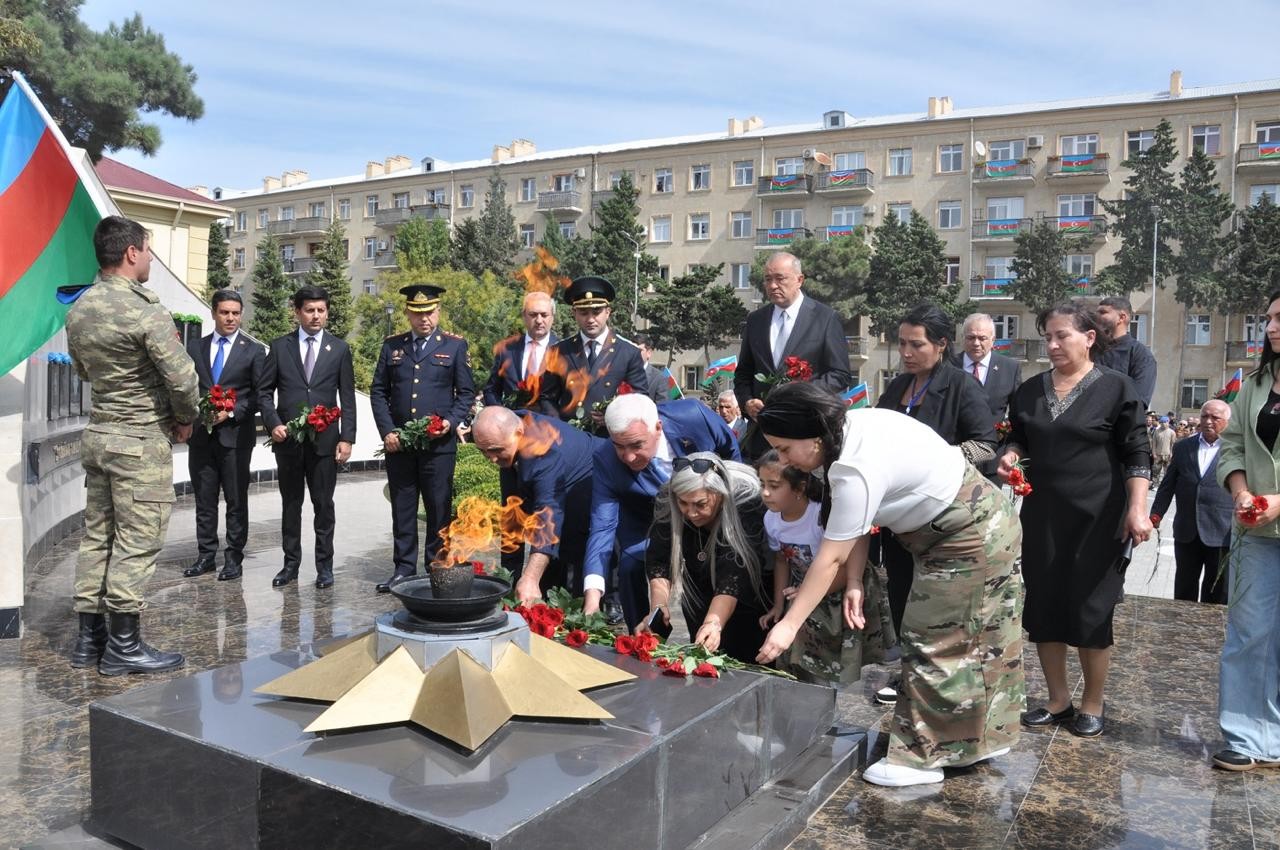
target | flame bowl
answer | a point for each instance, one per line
(419, 600)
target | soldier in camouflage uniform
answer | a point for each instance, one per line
(145, 396)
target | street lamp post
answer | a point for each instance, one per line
(391, 311)
(1155, 244)
(635, 286)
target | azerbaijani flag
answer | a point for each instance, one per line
(1002, 345)
(724, 364)
(780, 236)
(996, 285)
(1004, 227)
(1077, 162)
(1002, 168)
(1228, 393)
(840, 230)
(844, 178)
(1083, 284)
(47, 218)
(784, 182)
(1268, 151)
(856, 397)
(1075, 224)
(1253, 348)
(673, 389)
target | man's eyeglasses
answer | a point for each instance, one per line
(700, 465)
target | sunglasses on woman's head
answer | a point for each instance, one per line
(700, 465)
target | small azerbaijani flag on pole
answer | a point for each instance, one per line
(856, 397)
(1229, 392)
(673, 388)
(47, 219)
(1002, 345)
(724, 364)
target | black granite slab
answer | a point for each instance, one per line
(194, 763)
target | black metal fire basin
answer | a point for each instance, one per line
(484, 603)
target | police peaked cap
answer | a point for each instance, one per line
(421, 297)
(590, 291)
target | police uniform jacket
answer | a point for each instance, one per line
(618, 360)
(408, 385)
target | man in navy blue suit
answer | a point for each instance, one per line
(551, 467)
(629, 469)
(519, 357)
(421, 373)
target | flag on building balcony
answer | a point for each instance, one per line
(784, 182)
(995, 286)
(1002, 345)
(840, 230)
(843, 178)
(1228, 393)
(856, 397)
(1077, 162)
(1268, 151)
(1002, 168)
(780, 237)
(1253, 348)
(724, 364)
(47, 218)
(1083, 284)
(673, 389)
(1004, 227)
(1075, 224)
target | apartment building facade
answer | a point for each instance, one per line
(980, 176)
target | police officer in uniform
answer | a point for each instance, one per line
(420, 373)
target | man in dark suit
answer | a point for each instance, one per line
(727, 407)
(218, 459)
(1202, 525)
(790, 326)
(629, 469)
(587, 367)
(303, 369)
(1125, 354)
(551, 465)
(998, 374)
(421, 373)
(519, 357)
(655, 376)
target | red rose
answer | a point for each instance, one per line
(477, 567)
(1260, 503)
(649, 641)
(545, 629)
(624, 644)
(675, 668)
(332, 415)
(555, 616)
(577, 637)
(664, 663)
(643, 654)
(435, 425)
(522, 611)
(707, 670)
(624, 388)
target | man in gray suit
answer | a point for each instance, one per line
(998, 374)
(1202, 525)
(655, 375)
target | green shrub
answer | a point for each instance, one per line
(475, 475)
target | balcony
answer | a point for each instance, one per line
(299, 265)
(990, 289)
(1080, 166)
(385, 260)
(560, 202)
(396, 216)
(774, 185)
(852, 181)
(779, 237)
(1015, 348)
(1004, 171)
(1258, 155)
(1242, 352)
(1000, 229)
(1092, 226)
(838, 231)
(859, 346)
(298, 226)
(1085, 288)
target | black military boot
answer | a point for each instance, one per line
(90, 641)
(126, 652)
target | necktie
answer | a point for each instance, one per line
(219, 359)
(418, 344)
(977, 373)
(780, 345)
(531, 363)
(591, 355)
(310, 362)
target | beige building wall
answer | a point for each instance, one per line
(179, 231)
(1040, 130)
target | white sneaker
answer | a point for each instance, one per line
(899, 776)
(888, 695)
(1003, 751)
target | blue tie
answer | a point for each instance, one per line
(219, 359)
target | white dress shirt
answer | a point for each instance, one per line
(302, 343)
(1207, 452)
(776, 327)
(226, 349)
(537, 357)
(983, 366)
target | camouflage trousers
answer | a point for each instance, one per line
(827, 651)
(129, 482)
(962, 683)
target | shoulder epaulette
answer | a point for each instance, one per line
(451, 335)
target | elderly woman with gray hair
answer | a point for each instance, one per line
(707, 550)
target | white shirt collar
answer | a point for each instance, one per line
(231, 338)
(793, 310)
(542, 342)
(600, 338)
(302, 336)
(985, 361)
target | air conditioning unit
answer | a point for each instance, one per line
(1035, 141)
(580, 173)
(808, 153)
(869, 210)
(382, 246)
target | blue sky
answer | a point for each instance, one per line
(324, 86)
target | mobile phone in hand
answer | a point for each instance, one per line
(658, 626)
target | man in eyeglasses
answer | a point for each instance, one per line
(998, 374)
(645, 440)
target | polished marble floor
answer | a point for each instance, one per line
(1146, 784)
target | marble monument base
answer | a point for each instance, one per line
(203, 762)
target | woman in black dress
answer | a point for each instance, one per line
(1081, 430)
(940, 395)
(707, 549)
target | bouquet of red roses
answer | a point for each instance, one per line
(624, 388)
(1018, 479)
(217, 400)
(310, 422)
(793, 369)
(417, 433)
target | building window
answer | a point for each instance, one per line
(662, 182)
(953, 271)
(998, 268)
(692, 374)
(1007, 149)
(740, 274)
(1004, 208)
(1079, 144)
(370, 206)
(950, 159)
(788, 218)
(1207, 138)
(901, 211)
(467, 197)
(741, 222)
(1267, 133)
(664, 272)
(528, 188)
(699, 178)
(1197, 332)
(237, 261)
(660, 228)
(370, 247)
(785, 165)
(1271, 190)
(344, 209)
(288, 252)
(949, 215)
(699, 226)
(562, 183)
(744, 172)
(286, 213)
(527, 235)
(1138, 329)
(1195, 392)
(1006, 325)
(568, 229)
(1072, 205)
(899, 162)
(264, 218)
(847, 215)
(1078, 265)
(318, 211)
(1254, 328)
(437, 196)
(242, 221)
(368, 287)
(852, 161)
(1137, 141)
(615, 177)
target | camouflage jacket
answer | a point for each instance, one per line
(124, 343)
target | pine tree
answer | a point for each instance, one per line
(692, 312)
(835, 270)
(271, 294)
(1254, 270)
(422, 245)
(378, 315)
(219, 261)
(1198, 225)
(1151, 196)
(491, 243)
(330, 272)
(1041, 279)
(616, 237)
(908, 266)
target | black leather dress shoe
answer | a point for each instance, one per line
(229, 572)
(1088, 725)
(199, 568)
(396, 578)
(1044, 717)
(286, 575)
(324, 578)
(612, 612)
